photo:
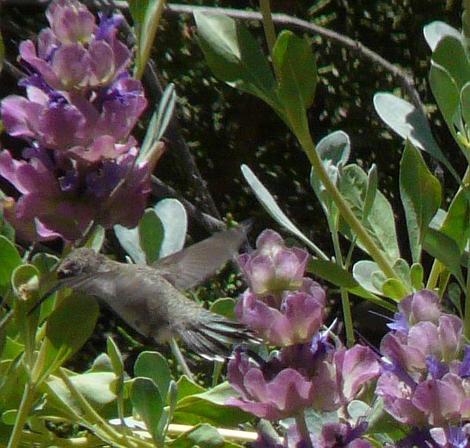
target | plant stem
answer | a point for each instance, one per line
(25, 407)
(93, 417)
(363, 236)
(466, 322)
(268, 24)
(180, 359)
(348, 322)
(303, 429)
(216, 372)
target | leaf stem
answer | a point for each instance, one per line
(347, 316)
(268, 24)
(180, 359)
(26, 404)
(93, 417)
(363, 236)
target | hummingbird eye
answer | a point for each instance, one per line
(68, 269)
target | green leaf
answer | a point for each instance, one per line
(450, 55)
(268, 202)
(154, 366)
(338, 276)
(395, 289)
(371, 192)
(96, 240)
(455, 223)
(455, 296)
(446, 250)
(380, 223)
(234, 56)
(129, 240)
(25, 276)
(115, 356)
(96, 387)
(174, 218)
(148, 403)
(209, 407)
(9, 260)
(446, 94)
(334, 151)
(201, 435)
(416, 276)
(402, 268)
(434, 32)
(409, 123)
(146, 16)
(465, 104)
(224, 306)
(293, 57)
(363, 271)
(9, 417)
(186, 387)
(297, 78)
(150, 235)
(45, 262)
(159, 122)
(420, 194)
(67, 329)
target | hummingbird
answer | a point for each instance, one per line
(149, 298)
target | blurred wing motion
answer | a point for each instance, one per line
(148, 299)
(191, 266)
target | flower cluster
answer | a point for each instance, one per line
(425, 380)
(287, 310)
(81, 106)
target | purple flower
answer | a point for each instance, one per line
(73, 123)
(440, 400)
(420, 307)
(275, 398)
(397, 396)
(299, 318)
(57, 201)
(355, 368)
(74, 53)
(272, 267)
(342, 435)
(451, 436)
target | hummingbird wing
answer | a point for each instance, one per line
(191, 266)
(213, 336)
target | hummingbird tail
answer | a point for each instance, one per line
(214, 336)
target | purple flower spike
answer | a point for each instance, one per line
(272, 267)
(80, 110)
(280, 397)
(300, 317)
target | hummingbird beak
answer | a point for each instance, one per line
(54, 289)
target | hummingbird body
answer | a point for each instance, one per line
(149, 299)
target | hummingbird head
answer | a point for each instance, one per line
(80, 261)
